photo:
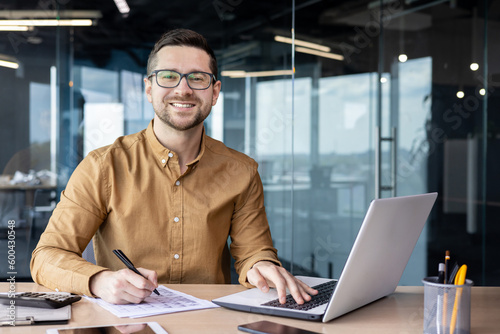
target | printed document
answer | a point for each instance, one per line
(169, 301)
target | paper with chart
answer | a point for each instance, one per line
(169, 301)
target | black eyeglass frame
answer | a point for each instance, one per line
(183, 75)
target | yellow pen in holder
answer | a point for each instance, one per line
(459, 280)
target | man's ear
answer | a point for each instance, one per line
(217, 88)
(147, 89)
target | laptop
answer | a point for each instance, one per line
(382, 248)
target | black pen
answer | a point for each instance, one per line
(129, 264)
(441, 273)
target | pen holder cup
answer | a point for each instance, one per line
(446, 307)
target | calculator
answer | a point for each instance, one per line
(39, 299)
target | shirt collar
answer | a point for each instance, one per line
(202, 148)
(161, 152)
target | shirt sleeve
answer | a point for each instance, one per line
(57, 261)
(251, 240)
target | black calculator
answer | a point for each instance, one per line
(39, 299)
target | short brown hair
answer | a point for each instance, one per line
(182, 37)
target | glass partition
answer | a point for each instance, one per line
(28, 142)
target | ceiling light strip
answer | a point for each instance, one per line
(50, 14)
(14, 28)
(320, 54)
(47, 23)
(306, 44)
(243, 74)
(269, 73)
(122, 6)
(9, 64)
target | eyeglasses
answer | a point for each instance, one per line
(171, 79)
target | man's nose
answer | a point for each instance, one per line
(183, 86)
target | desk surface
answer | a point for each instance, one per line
(401, 312)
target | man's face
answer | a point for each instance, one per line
(181, 107)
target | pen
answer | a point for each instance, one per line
(459, 280)
(446, 266)
(452, 274)
(439, 314)
(445, 298)
(441, 273)
(129, 264)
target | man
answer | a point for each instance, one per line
(168, 196)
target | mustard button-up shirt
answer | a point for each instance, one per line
(132, 197)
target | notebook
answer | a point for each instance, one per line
(373, 269)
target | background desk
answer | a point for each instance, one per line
(401, 312)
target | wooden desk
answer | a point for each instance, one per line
(401, 312)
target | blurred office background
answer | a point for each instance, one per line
(388, 98)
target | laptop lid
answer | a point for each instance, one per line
(373, 269)
(381, 251)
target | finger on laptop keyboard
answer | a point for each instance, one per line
(281, 279)
(299, 290)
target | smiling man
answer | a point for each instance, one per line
(169, 197)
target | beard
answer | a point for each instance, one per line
(182, 121)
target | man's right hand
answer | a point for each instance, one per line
(123, 286)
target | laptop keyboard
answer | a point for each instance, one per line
(325, 291)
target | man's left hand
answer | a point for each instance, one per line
(265, 274)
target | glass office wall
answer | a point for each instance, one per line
(28, 139)
(404, 111)
(390, 99)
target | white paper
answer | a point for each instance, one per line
(169, 301)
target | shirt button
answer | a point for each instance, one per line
(170, 154)
(177, 183)
(163, 161)
(176, 256)
(176, 219)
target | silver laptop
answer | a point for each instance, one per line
(373, 269)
